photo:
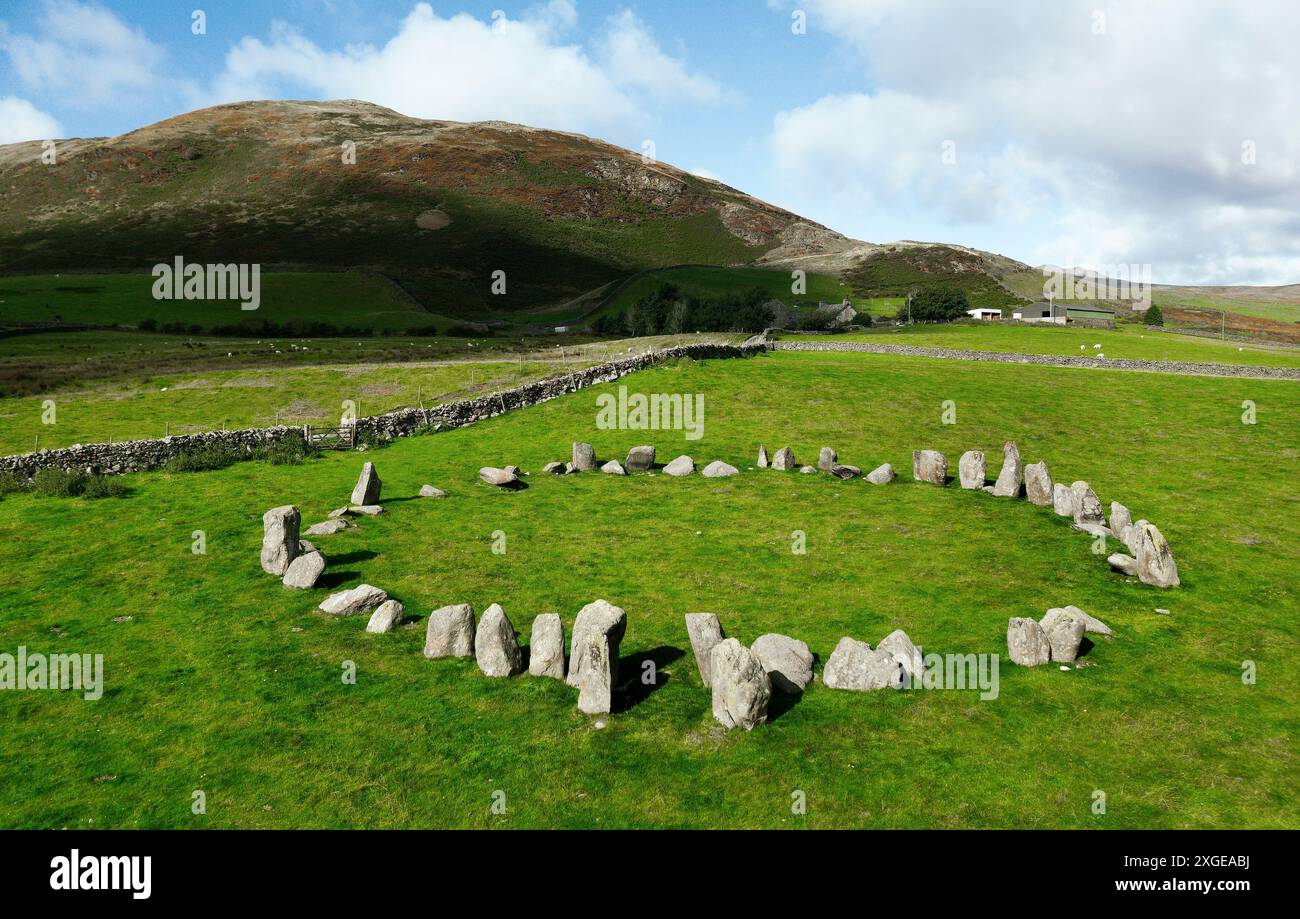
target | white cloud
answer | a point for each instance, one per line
(20, 120)
(1120, 139)
(466, 69)
(85, 55)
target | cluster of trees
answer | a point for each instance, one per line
(940, 303)
(667, 311)
(1153, 316)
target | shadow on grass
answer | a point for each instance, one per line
(331, 579)
(348, 558)
(632, 691)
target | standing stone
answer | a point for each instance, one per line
(881, 475)
(826, 459)
(1008, 483)
(1120, 521)
(386, 618)
(719, 470)
(494, 476)
(360, 599)
(584, 457)
(1155, 562)
(280, 538)
(853, 665)
(613, 467)
(304, 571)
(762, 457)
(495, 647)
(1038, 484)
(704, 631)
(1063, 500)
(1087, 506)
(783, 459)
(741, 688)
(972, 469)
(906, 653)
(1027, 644)
(1064, 631)
(450, 632)
(367, 488)
(546, 647)
(600, 618)
(929, 466)
(788, 662)
(640, 459)
(683, 465)
(599, 673)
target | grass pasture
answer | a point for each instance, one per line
(222, 680)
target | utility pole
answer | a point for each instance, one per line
(1223, 324)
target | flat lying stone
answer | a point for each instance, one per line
(450, 632)
(788, 662)
(304, 571)
(845, 471)
(327, 527)
(366, 510)
(740, 685)
(683, 465)
(554, 468)
(613, 467)
(546, 647)
(1124, 564)
(428, 491)
(881, 475)
(361, 599)
(719, 470)
(808, 470)
(1092, 529)
(386, 617)
(704, 632)
(494, 476)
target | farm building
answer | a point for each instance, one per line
(984, 313)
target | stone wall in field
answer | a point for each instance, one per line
(1050, 360)
(138, 455)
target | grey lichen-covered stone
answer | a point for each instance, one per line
(972, 469)
(1124, 564)
(929, 466)
(683, 465)
(1120, 521)
(613, 467)
(719, 470)
(741, 688)
(1090, 623)
(881, 475)
(428, 491)
(1063, 500)
(788, 662)
(280, 538)
(1009, 478)
(599, 672)
(853, 665)
(1064, 630)
(640, 459)
(386, 617)
(554, 468)
(1155, 561)
(845, 471)
(826, 458)
(450, 632)
(367, 487)
(491, 475)
(304, 571)
(783, 459)
(1092, 529)
(1027, 644)
(808, 470)
(907, 654)
(360, 599)
(584, 457)
(495, 647)
(704, 632)
(304, 547)
(762, 457)
(1038, 484)
(546, 647)
(366, 510)
(602, 618)
(1087, 506)
(328, 527)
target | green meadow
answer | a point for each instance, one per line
(218, 679)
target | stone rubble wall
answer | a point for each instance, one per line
(1190, 368)
(137, 455)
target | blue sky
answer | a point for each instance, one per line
(1160, 132)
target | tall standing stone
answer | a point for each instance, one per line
(1120, 521)
(1063, 500)
(1008, 483)
(367, 488)
(826, 459)
(640, 459)
(741, 688)
(599, 672)
(1027, 643)
(972, 469)
(881, 475)
(450, 632)
(1064, 630)
(1038, 484)
(1155, 561)
(783, 459)
(546, 647)
(930, 466)
(584, 457)
(704, 631)
(1087, 506)
(280, 538)
(495, 647)
(601, 618)
(762, 457)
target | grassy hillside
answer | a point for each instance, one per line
(897, 272)
(220, 679)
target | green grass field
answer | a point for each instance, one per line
(223, 681)
(1132, 342)
(712, 283)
